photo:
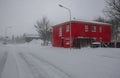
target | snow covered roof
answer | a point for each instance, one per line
(96, 43)
(32, 35)
(86, 21)
(93, 22)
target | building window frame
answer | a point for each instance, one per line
(60, 31)
(93, 28)
(86, 28)
(67, 28)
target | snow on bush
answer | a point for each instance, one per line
(34, 41)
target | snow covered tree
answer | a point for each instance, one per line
(43, 28)
(113, 11)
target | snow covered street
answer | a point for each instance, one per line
(31, 60)
(16, 63)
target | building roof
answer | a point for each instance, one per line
(32, 35)
(85, 21)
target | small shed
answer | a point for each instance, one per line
(30, 37)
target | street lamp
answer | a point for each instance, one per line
(70, 21)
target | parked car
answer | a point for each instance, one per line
(96, 44)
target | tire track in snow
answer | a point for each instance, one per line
(3, 60)
(39, 71)
(34, 70)
(109, 56)
(52, 65)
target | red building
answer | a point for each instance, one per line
(82, 33)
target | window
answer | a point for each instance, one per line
(67, 28)
(93, 28)
(100, 39)
(100, 29)
(86, 28)
(60, 31)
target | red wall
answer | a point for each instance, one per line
(78, 30)
(56, 40)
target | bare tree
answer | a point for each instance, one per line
(100, 19)
(113, 9)
(43, 28)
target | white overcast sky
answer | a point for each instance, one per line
(19, 16)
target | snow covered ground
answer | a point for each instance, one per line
(31, 60)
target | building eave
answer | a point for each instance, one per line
(81, 21)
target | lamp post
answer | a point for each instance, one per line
(69, 22)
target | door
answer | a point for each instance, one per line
(62, 42)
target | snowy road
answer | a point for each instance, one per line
(17, 63)
(3, 59)
(31, 60)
